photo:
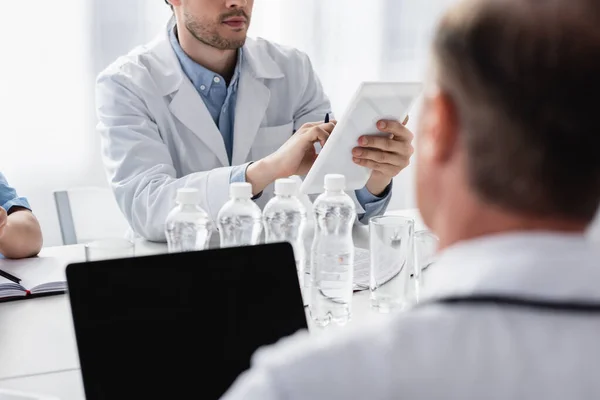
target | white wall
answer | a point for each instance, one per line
(45, 106)
(48, 140)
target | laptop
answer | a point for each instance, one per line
(181, 325)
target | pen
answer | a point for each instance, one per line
(9, 276)
(327, 118)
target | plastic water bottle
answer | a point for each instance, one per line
(332, 255)
(240, 219)
(188, 227)
(284, 218)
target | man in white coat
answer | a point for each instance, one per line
(508, 177)
(203, 106)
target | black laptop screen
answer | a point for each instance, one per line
(180, 325)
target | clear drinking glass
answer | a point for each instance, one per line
(426, 244)
(394, 284)
(105, 249)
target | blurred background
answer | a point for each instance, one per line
(48, 138)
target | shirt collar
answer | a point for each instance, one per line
(527, 264)
(168, 73)
(199, 75)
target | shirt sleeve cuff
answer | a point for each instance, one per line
(238, 174)
(365, 197)
(18, 202)
(373, 205)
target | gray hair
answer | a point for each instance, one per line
(524, 76)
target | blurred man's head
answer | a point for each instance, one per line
(509, 127)
(222, 24)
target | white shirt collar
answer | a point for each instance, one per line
(532, 264)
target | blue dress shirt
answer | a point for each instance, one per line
(9, 197)
(220, 100)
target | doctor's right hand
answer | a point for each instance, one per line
(295, 157)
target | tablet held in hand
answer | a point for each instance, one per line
(372, 102)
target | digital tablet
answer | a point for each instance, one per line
(372, 102)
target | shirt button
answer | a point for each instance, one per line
(217, 79)
(202, 87)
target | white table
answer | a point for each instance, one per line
(38, 352)
(36, 335)
(64, 385)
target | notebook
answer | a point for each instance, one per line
(362, 269)
(181, 325)
(39, 276)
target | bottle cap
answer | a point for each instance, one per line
(240, 190)
(188, 196)
(286, 187)
(335, 182)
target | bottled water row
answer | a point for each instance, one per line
(240, 223)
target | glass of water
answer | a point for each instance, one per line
(426, 245)
(393, 280)
(105, 249)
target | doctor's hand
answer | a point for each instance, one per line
(386, 156)
(295, 157)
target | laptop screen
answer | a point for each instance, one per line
(183, 324)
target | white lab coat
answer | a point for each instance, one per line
(157, 135)
(457, 351)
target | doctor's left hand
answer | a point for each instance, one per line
(386, 156)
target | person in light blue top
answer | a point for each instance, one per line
(220, 100)
(20, 233)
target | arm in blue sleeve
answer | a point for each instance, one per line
(373, 205)
(238, 174)
(9, 197)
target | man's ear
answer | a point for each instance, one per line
(443, 126)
